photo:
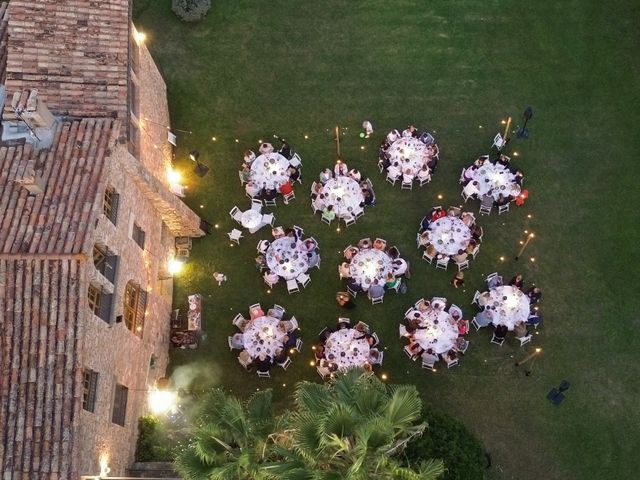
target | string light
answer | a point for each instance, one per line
(214, 139)
(306, 137)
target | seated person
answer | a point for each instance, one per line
(391, 282)
(246, 173)
(294, 173)
(289, 341)
(343, 270)
(501, 200)
(437, 213)
(340, 169)
(263, 363)
(484, 318)
(324, 335)
(431, 251)
(318, 351)
(535, 318)
(287, 325)
(379, 244)
(425, 222)
(432, 163)
(375, 290)
(399, 267)
(392, 136)
(285, 150)
(245, 358)
(271, 277)
(520, 329)
(453, 212)
(432, 150)
(355, 174)
(277, 232)
(374, 356)
(460, 257)
(500, 331)
(312, 259)
(249, 157)
(361, 327)
(266, 148)
(471, 189)
(423, 239)
(364, 243)
(353, 285)
(280, 356)
(468, 218)
(326, 175)
(461, 344)
(494, 282)
(277, 313)
(320, 202)
(341, 325)
(286, 188)
(503, 160)
(261, 262)
(350, 252)
(410, 131)
(407, 176)
(480, 160)
(308, 245)
(485, 297)
(256, 313)
(471, 247)
(269, 194)
(476, 232)
(424, 306)
(517, 281)
(429, 356)
(394, 170)
(519, 176)
(393, 252)
(328, 213)
(522, 197)
(463, 326)
(424, 174)
(416, 349)
(367, 197)
(534, 294)
(450, 356)
(469, 174)
(252, 188)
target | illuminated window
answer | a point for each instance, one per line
(135, 304)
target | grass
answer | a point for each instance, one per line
(291, 67)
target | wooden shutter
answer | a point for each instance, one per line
(105, 307)
(120, 405)
(115, 201)
(110, 268)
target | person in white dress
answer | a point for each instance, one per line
(424, 174)
(471, 189)
(407, 176)
(355, 175)
(394, 171)
(368, 128)
(249, 157)
(410, 131)
(399, 266)
(266, 148)
(392, 136)
(340, 169)
(271, 277)
(319, 203)
(326, 175)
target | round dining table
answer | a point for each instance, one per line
(251, 219)
(437, 331)
(508, 306)
(263, 335)
(449, 235)
(287, 257)
(495, 179)
(347, 348)
(369, 264)
(344, 194)
(270, 170)
(410, 153)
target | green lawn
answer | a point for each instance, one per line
(456, 68)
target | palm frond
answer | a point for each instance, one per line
(312, 397)
(404, 407)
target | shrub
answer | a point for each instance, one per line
(449, 440)
(190, 10)
(152, 444)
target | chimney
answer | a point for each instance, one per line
(34, 111)
(31, 122)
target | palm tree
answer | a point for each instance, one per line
(232, 439)
(350, 429)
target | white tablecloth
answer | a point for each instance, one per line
(410, 153)
(369, 264)
(344, 350)
(495, 179)
(449, 235)
(509, 305)
(439, 333)
(262, 335)
(270, 170)
(287, 258)
(251, 219)
(348, 192)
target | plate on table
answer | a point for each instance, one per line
(193, 306)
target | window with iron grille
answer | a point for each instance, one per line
(111, 200)
(89, 390)
(119, 413)
(135, 305)
(138, 235)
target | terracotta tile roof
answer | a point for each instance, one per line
(40, 379)
(59, 220)
(4, 19)
(75, 52)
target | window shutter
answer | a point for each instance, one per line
(105, 307)
(110, 268)
(115, 200)
(142, 305)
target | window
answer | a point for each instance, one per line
(138, 235)
(135, 304)
(100, 302)
(111, 200)
(119, 413)
(89, 389)
(105, 263)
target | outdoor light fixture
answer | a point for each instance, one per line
(162, 401)
(174, 266)
(194, 155)
(139, 37)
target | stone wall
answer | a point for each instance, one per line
(113, 351)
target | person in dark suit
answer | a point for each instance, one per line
(501, 332)
(517, 281)
(263, 363)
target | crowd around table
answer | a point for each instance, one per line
(450, 235)
(265, 338)
(288, 256)
(373, 267)
(435, 330)
(508, 307)
(347, 346)
(271, 172)
(408, 156)
(494, 183)
(341, 193)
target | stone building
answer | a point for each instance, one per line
(88, 222)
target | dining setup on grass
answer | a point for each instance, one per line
(287, 257)
(435, 330)
(374, 268)
(265, 340)
(449, 236)
(341, 193)
(408, 157)
(345, 347)
(508, 308)
(494, 183)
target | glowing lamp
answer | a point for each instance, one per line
(161, 401)
(174, 266)
(139, 37)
